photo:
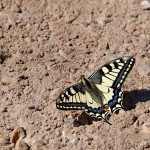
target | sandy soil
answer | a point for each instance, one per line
(45, 46)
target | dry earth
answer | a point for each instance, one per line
(45, 46)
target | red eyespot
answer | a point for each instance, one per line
(106, 107)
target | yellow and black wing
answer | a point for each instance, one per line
(72, 98)
(110, 78)
(100, 94)
(114, 73)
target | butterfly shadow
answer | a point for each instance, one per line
(84, 119)
(131, 98)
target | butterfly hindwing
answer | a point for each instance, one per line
(112, 97)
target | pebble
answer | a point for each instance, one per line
(8, 147)
(147, 111)
(134, 2)
(75, 139)
(127, 40)
(144, 70)
(65, 140)
(54, 93)
(145, 5)
(3, 109)
(144, 144)
(31, 107)
(136, 124)
(146, 127)
(21, 145)
(134, 14)
(57, 132)
(27, 88)
(72, 16)
(37, 144)
(131, 28)
(28, 40)
(16, 9)
(6, 80)
(2, 141)
(102, 20)
(133, 119)
(17, 133)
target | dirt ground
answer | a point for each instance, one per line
(45, 46)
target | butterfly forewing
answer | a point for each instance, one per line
(72, 98)
(113, 73)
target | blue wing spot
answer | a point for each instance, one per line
(114, 101)
(100, 110)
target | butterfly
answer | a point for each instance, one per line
(100, 94)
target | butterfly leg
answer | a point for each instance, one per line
(105, 116)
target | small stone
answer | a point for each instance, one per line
(37, 145)
(131, 28)
(147, 111)
(145, 5)
(128, 40)
(57, 132)
(16, 9)
(65, 140)
(69, 120)
(18, 2)
(14, 137)
(137, 33)
(27, 89)
(28, 40)
(134, 14)
(136, 124)
(73, 71)
(9, 147)
(4, 109)
(102, 20)
(89, 140)
(5, 148)
(21, 145)
(2, 141)
(144, 144)
(54, 93)
(144, 70)
(18, 132)
(133, 119)
(146, 127)
(71, 16)
(5, 80)
(134, 2)
(75, 139)
(105, 2)
(31, 107)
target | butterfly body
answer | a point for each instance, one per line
(100, 94)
